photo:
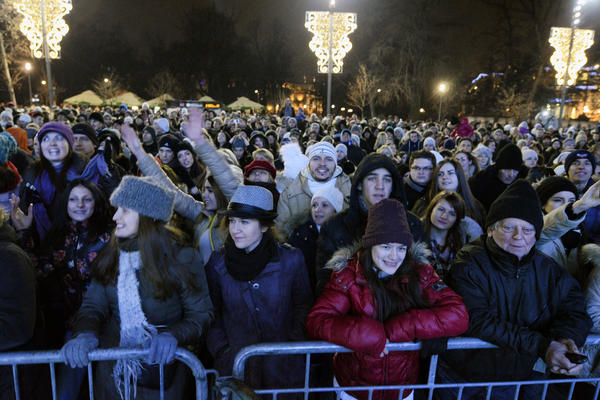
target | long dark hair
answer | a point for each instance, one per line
(393, 296)
(158, 246)
(58, 179)
(473, 208)
(98, 223)
(456, 202)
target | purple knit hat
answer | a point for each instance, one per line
(387, 223)
(58, 127)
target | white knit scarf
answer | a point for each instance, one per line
(135, 329)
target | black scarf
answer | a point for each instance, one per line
(244, 266)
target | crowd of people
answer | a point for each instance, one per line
(160, 228)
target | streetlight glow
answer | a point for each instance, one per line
(43, 82)
(443, 87)
(378, 90)
(28, 66)
(106, 80)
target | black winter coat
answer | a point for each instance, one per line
(486, 186)
(521, 306)
(304, 237)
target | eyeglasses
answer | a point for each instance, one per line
(419, 169)
(511, 230)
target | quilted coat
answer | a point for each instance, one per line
(346, 314)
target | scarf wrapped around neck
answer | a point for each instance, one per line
(244, 266)
(95, 168)
(135, 330)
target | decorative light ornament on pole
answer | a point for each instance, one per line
(44, 26)
(330, 42)
(569, 56)
(443, 88)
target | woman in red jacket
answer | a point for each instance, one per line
(385, 292)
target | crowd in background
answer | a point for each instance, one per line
(216, 230)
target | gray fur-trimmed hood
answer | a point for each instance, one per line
(419, 252)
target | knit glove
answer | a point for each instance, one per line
(75, 351)
(162, 348)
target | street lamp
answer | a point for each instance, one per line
(106, 80)
(44, 27)
(442, 88)
(330, 42)
(28, 69)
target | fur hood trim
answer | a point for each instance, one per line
(419, 252)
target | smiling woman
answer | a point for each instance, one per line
(260, 290)
(384, 292)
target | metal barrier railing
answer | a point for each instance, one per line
(309, 348)
(55, 357)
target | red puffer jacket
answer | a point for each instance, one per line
(346, 314)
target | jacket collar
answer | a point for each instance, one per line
(506, 262)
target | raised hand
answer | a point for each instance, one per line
(19, 219)
(193, 128)
(131, 140)
(590, 199)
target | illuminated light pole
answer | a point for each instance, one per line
(44, 27)
(28, 69)
(569, 56)
(330, 42)
(442, 88)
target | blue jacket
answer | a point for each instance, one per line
(271, 308)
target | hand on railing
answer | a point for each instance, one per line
(557, 360)
(162, 348)
(76, 350)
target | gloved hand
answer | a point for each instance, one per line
(76, 350)
(162, 348)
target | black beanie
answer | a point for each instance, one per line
(579, 154)
(552, 185)
(96, 116)
(519, 200)
(509, 157)
(169, 141)
(387, 224)
(87, 130)
(185, 145)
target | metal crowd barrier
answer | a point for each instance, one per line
(54, 356)
(309, 348)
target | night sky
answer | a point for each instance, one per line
(462, 30)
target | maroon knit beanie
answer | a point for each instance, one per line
(387, 224)
(260, 164)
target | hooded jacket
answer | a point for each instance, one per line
(486, 186)
(518, 305)
(348, 226)
(346, 314)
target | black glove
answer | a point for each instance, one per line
(430, 347)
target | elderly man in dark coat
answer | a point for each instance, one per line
(518, 299)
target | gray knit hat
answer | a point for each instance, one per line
(146, 196)
(251, 201)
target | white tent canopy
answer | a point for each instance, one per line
(160, 100)
(87, 96)
(128, 98)
(207, 99)
(245, 103)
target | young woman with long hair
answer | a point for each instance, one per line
(448, 229)
(384, 292)
(449, 175)
(147, 290)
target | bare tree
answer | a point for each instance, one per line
(107, 85)
(164, 82)
(516, 104)
(14, 48)
(362, 90)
